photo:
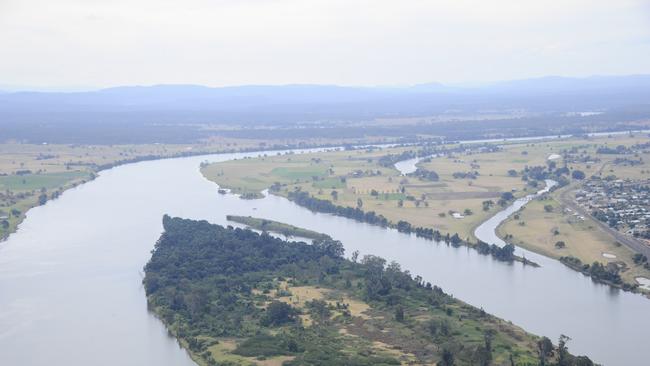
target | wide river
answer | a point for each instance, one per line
(70, 278)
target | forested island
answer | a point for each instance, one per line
(235, 297)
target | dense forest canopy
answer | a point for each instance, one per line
(215, 286)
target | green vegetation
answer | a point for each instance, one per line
(350, 175)
(607, 274)
(554, 219)
(32, 174)
(276, 227)
(433, 197)
(299, 173)
(236, 297)
(24, 190)
(27, 182)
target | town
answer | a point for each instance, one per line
(622, 204)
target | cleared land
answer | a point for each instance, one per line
(32, 174)
(539, 228)
(357, 175)
(350, 178)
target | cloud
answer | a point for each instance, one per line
(225, 42)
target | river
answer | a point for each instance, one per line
(70, 277)
(487, 230)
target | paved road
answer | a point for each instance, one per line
(636, 245)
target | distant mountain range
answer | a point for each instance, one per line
(176, 113)
(303, 103)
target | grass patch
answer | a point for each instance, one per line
(329, 183)
(31, 182)
(301, 173)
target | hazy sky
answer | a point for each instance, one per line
(96, 43)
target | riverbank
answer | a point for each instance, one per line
(505, 254)
(30, 174)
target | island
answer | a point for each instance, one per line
(276, 227)
(236, 297)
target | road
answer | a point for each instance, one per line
(635, 245)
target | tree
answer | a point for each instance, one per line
(376, 284)
(42, 199)
(639, 258)
(330, 247)
(544, 350)
(278, 313)
(359, 203)
(560, 244)
(335, 195)
(583, 361)
(548, 208)
(355, 256)
(455, 239)
(578, 174)
(488, 336)
(399, 314)
(512, 173)
(487, 205)
(483, 353)
(400, 203)
(563, 355)
(319, 310)
(447, 358)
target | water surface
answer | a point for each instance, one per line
(70, 278)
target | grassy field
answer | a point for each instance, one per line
(38, 181)
(30, 170)
(31, 174)
(354, 175)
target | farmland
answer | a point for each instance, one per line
(467, 190)
(356, 178)
(32, 174)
